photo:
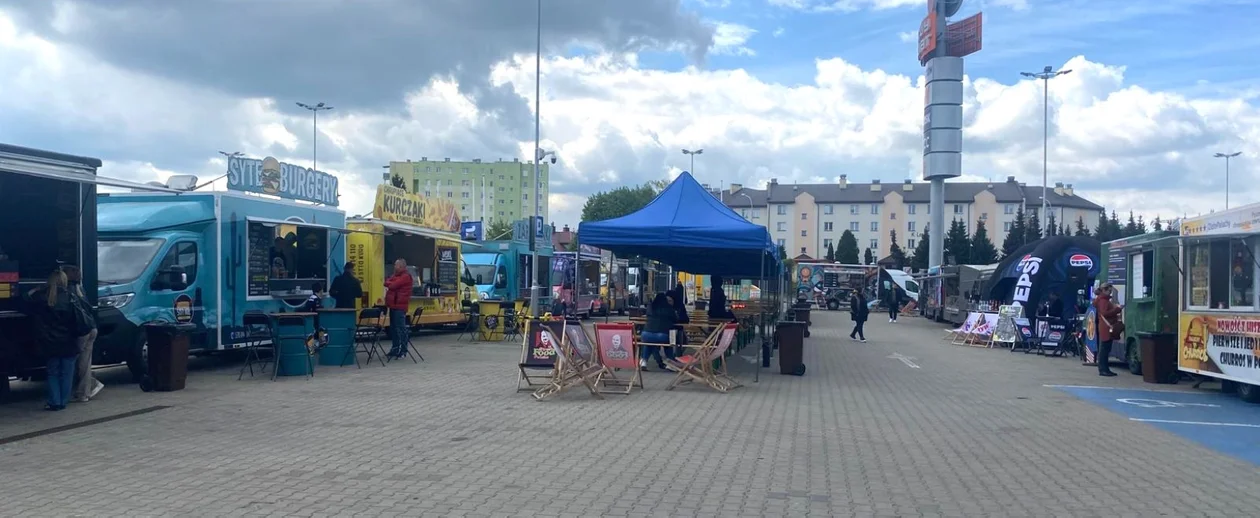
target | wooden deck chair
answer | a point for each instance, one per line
(982, 333)
(569, 372)
(963, 333)
(617, 351)
(538, 359)
(699, 366)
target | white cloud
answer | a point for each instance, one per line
(908, 36)
(730, 38)
(613, 122)
(778, 32)
(845, 5)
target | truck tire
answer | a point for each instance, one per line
(1131, 356)
(833, 304)
(1249, 393)
(138, 359)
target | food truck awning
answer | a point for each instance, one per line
(414, 230)
(56, 166)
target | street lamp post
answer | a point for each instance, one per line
(693, 158)
(1227, 156)
(315, 109)
(1045, 76)
(539, 155)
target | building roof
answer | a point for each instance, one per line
(955, 192)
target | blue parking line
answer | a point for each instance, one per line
(1218, 421)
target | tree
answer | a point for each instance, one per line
(1052, 226)
(868, 257)
(919, 261)
(617, 202)
(982, 249)
(499, 229)
(847, 253)
(1159, 225)
(898, 255)
(831, 253)
(1141, 225)
(1130, 228)
(1032, 229)
(1063, 229)
(957, 244)
(397, 181)
(1015, 236)
(1115, 229)
(1081, 229)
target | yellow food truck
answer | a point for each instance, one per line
(425, 233)
(1219, 326)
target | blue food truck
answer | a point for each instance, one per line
(207, 258)
(501, 267)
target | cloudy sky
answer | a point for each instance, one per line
(799, 90)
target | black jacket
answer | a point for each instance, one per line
(345, 290)
(660, 320)
(858, 309)
(53, 325)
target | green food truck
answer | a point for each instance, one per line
(1144, 271)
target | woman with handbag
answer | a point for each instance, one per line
(1110, 326)
(58, 326)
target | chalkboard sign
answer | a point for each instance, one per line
(260, 237)
(448, 268)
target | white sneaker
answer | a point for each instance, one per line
(863, 340)
(891, 320)
(96, 388)
(643, 364)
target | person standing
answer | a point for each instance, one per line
(397, 299)
(86, 386)
(1110, 326)
(894, 303)
(859, 312)
(55, 325)
(660, 320)
(345, 288)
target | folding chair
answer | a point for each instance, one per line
(368, 331)
(570, 371)
(511, 324)
(412, 323)
(700, 367)
(473, 325)
(617, 351)
(257, 336)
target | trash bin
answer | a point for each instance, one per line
(790, 336)
(1159, 357)
(801, 312)
(168, 356)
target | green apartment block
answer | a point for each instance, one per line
(483, 191)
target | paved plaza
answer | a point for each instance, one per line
(903, 425)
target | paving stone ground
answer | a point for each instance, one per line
(972, 432)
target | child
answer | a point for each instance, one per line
(315, 301)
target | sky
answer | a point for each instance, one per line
(795, 90)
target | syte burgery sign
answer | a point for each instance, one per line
(271, 176)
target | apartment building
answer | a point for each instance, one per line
(484, 191)
(805, 218)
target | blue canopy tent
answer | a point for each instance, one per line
(688, 228)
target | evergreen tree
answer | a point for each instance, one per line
(1032, 229)
(1141, 225)
(868, 257)
(1115, 229)
(847, 253)
(1130, 228)
(1063, 229)
(957, 244)
(898, 255)
(922, 250)
(982, 249)
(1014, 236)
(1081, 229)
(1103, 229)
(1052, 226)
(831, 253)
(1159, 225)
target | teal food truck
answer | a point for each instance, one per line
(208, 258)
(501, 267)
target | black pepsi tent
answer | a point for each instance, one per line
(1061, 264)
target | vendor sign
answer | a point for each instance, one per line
(271, 176)
(400, 206)
(1222, 345)
(1234, 221)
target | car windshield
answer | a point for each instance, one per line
(912, 286)
(121, 261)
(482, 273)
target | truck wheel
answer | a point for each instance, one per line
(1131, 355)
(138, 360)
(1249, 393)
(833, 304)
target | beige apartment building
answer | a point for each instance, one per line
(805, 218)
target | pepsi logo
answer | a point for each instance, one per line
(1081, 260)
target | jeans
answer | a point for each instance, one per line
(892, 311)
(398, 332)
(84, 382)
(60, 379)
(1104, 356)
(857, 330)
(654, 351)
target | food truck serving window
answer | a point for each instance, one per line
(1221, 274)
(286, 257)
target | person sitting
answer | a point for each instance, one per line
(315, 302)
(660, 320)
(717, 302)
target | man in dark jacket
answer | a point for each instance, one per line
(345, 288)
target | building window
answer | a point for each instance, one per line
(500, 176)
(874, 209)
(743, 213)
(826, 243)
(464, 195)
(525, 197)
(465, 183)
(984, 216)
(829, 209)
(450, 182)
(1006, 227)
(853, 210)
(874, 245)
(874, 226)
(500, 213)
(853, 226)
(803, 233)
(892, 215)
(524, 184)
(450, 194)
(910, 226)
(911, 209)
(1009, 208)
(782, 210)
(781, 227)
(958, 208)
(500, 189)
(465, 170)
(780, 242)
(827, 227)
(490, 183)
(756, 214)
(929, 210)
(428, 193)
(804, 216)
(802, 250)
(415, 186)
(910, 243)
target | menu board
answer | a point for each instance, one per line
(258, 269)
(1117, 266)
(448, 268)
